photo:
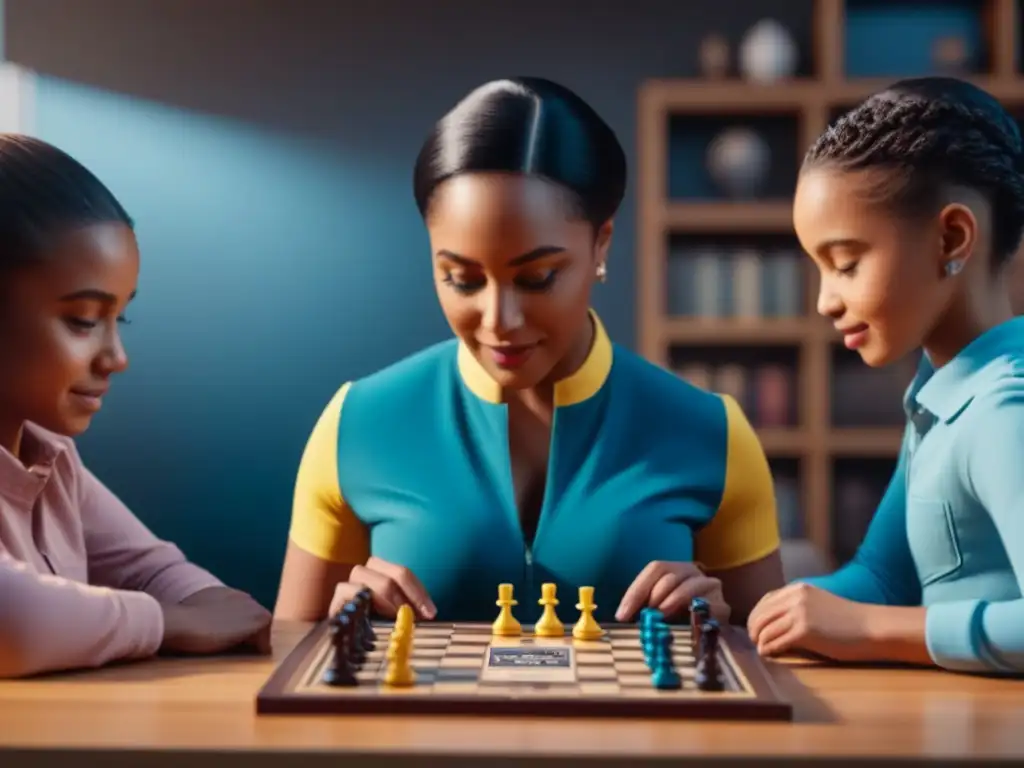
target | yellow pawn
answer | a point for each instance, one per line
(549, 625)
(404, 621)
(506, 624)
(400, 673)
(587, 628)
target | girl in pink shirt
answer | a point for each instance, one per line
(82, 581)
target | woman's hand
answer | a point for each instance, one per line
(803, 618)
(390, 586)
(216, 620)
(670, 587)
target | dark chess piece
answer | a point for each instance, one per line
(358, 643)
(708, 675)
(364, 599)
(700, 613)
(341, 671)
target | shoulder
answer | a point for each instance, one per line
(410, 372)
(653, 387)
(997, 405)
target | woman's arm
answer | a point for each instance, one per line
(740, 545)
(49, 624)
(326, 539)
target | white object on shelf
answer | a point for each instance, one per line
(768, 53)
(739, 160)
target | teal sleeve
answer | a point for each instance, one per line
(977, 635)
(883, 571)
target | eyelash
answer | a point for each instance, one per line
(849, 270)
(538, 286)
(88, 325)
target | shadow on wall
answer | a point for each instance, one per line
(266, 150)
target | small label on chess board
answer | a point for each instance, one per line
(529, 657)
(529, 664)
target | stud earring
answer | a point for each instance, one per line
(953, 267)
(602, 272)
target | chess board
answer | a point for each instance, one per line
(464, 669)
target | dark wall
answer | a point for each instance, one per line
(265, 147)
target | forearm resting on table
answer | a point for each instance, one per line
(898, 634)
(48, 623)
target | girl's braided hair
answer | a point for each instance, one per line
(926, 135)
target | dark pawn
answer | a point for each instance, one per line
(358, 642)
(341, 672)
(700, 613)
(708, 675)
(365, 601)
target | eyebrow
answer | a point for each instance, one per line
(827, 245)
(94, 294)
(526, 258)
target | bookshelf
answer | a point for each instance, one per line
(814, 442)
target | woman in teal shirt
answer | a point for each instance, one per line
(529, 448)
(912, 207)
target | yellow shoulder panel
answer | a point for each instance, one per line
(322, 523)
(745, 528)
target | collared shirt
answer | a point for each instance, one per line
(949, 533)
(81, 578)
(415, 469)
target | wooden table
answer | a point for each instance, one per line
(151, 713)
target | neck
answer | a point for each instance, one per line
(541, 399)
(10, 436)
(966, 320)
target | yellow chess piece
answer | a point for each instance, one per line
(400, 673)
(506, 624)
(548, 625)
(587, 628)
(404, 621)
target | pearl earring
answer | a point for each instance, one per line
(602, 272)
(953, 267)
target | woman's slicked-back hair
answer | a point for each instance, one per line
(925, 135)
(44, 193)
(530, 126)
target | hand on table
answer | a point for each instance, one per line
(390, 586)
(670, 587)
(216, 620)
(800, 617)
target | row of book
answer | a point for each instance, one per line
(766, 393)
(858, 488)
(740, 283)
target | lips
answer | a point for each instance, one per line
(855, 335)
(88, 399)
(510, 356)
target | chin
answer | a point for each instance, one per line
(877, 356)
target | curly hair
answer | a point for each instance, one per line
(925, 135)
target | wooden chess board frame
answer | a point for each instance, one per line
(606, 677)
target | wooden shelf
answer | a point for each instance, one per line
(699, 217)
(813, 101)
(869, 442)
(784, 443)
(699, 331)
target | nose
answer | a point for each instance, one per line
(830, 303)
(112, 357)
(502, 312)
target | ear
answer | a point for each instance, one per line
(958, 231)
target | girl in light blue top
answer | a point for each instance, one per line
(912, 207)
